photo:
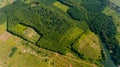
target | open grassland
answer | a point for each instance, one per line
(116, 2)
(89, 46)
(116, 19)
(5, 2)
(27, 60)
(2, 28)
(71, 35)
(61, 6)
(7, 42)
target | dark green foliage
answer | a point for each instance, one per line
(67, 2)
(94, 5)
(103, 55)
(13, 50)
(46, 2)
(2, 17)
(51, 24)
(78, 13)
(104, 26)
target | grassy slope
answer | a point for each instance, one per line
(24, 59)
(117, 2)
(89, 45)
(61, 6)
(116, 19)
(5, 2)
(25, 56)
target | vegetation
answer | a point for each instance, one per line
(115, 16)
(116, 2)
(13, 50)
(42, 24)
(2, 17)
(88, 42)
(46, 27)
(25, 32)
(78, 13)
(109, 11)
(61, 6)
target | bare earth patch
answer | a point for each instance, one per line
(4, 36)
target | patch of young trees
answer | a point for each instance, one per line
(51, 24)
(78, 13)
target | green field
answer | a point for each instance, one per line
(2, 28)
(89, 45)
(71, 35)
(5, 2)
(26, 32)
(27, 60)
(7, 42)
(1, 1)
(116, 2)
(61, 6)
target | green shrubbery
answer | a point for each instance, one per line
(52, 25)
(78, 13)
(48, 23)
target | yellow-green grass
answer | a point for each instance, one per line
(116, 19)
(26, 32)
(2, 28)
(6, 46)
(71, 35)
(5, 2)
(61, 6)
(116, 2)
(1, 1)
(27, 60)
(89, 45)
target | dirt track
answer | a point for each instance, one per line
(4, 36)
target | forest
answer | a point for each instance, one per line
(52, 25)
(98, 22)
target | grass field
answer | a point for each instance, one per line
(116, 2)
(116, 19)
(71, 35)
(89, 46)
(61, 6)
(5, 2)
(27, 60)
(7, 42)
(2, 28)
(26, 32)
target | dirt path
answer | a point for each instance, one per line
(79, 61)
(4, 36)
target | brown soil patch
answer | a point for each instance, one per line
(4, 36)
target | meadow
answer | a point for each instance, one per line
(116, 2)
(89, 45)
(61, 6)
